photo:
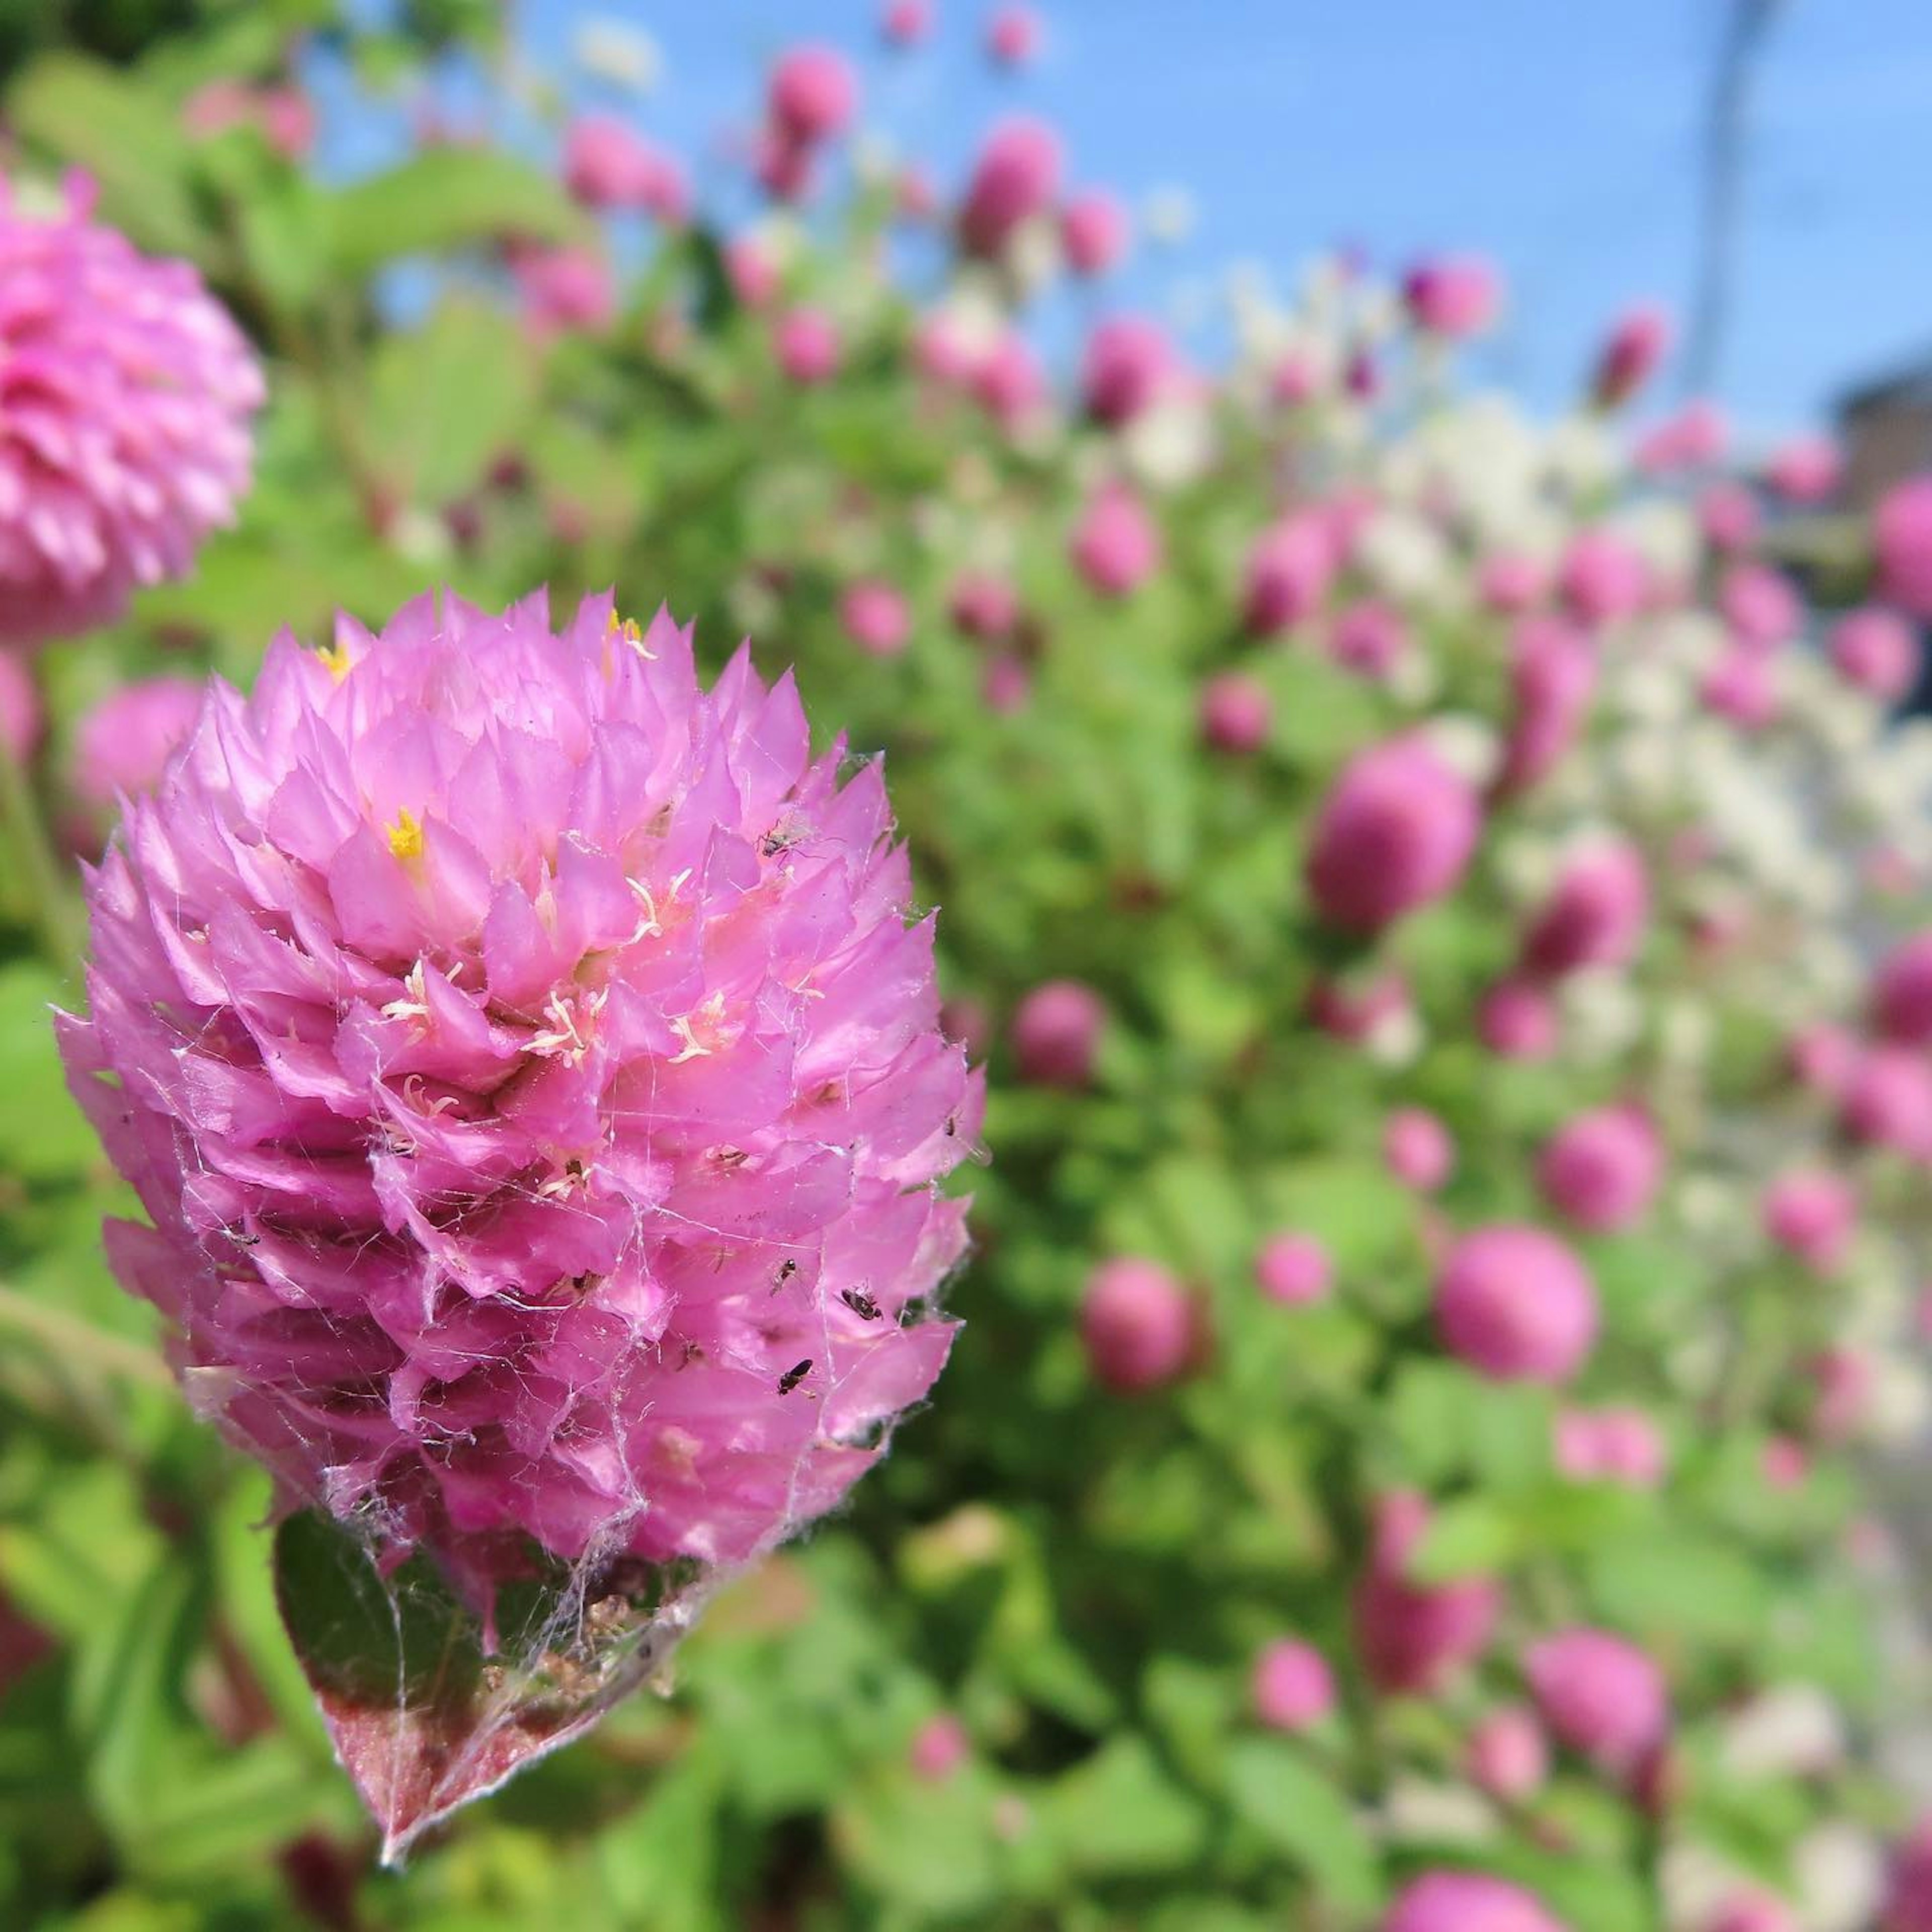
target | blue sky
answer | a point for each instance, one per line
(1558, 136)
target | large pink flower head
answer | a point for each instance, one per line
(1515, 1304)
(1601, 1696)
(1395, 831)
(1127, 363)
(1602, 1168)
(1016, 178)
(1465, 1901)
(125, 394)
(813, 93)
(535, 1087)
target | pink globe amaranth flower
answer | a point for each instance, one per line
(1351, 1009)
(1465, 1901)
(1807, 470)
(1908, 1899)
(1783, 1463)
(1291, 1686)
(941, 351)
(1637, 343)
(1902, 538)
(905, 23)
(125, 395)
(1294, 1269)
(561, 290)
(1601, 1696)
(805, 342)
(1740, 686)
(750, 269)
(1395, 831)
(1370, 638)
(1297, 379)
(1093, 232)
(1507, 1755)
(1751, 1911)
(1901, 992)
(986, 608)
(1887, 1101)
(1601, 580)
(1288, 571)
(1454, 296)
(1877, 650)
(1509, 584)
(1552, 678)
(1812, 1213)
(1822, 1057)
(1236, 712)
(1013, 36)
(876, 618)
(1693, 439)
(1616, 1445)
(784, 167)
(1517, 1020)
(1007, 684)
(23, 717)
(535, 1087)
(939, 1748)
(1016, 177)
(1759, 605)
(1843, 1377)
(1126, 364)
(1730, 518)
(1594, 917)
(1411, 1637)
(812, 95)
(123, 744)
(1138, 1324)
(1417, 1149)
(1515, 1304)
(284, 116)
(1008, 381)
(1602, 1169)
(607, 165)
(1055, 1030)
(1116, 547)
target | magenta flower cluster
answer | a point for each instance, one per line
(534, 1078)
(125, 394)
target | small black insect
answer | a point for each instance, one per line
(952, 1125)
(861, 1303)
(792, 1377)
(777, 841)
(787, 1269)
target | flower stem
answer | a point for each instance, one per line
(50, 904)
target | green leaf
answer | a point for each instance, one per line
(1298, 1808)
(1466, 1537)
(43, 1135)
(1118, 1812)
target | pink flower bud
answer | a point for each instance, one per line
(1466, 1901)
(1509, 584)
(606, 165)
(1417, 1149)
(1878, 651)
(1902, 536)
(1453, 296)
(1013, 36)
(1908, 1901)
(1008, 381)
(1517, 1020)
(1055, 1030)
(1693, 439)
(1630, 355)
(1595, 916)
(1615, 1445)
(1515, 1304)
(905, 23)
(1116, 547)
(1601, 1696)
(561, 290)
(1292, 1686)
(1601, 580)
(1812, 1213)
(1901, 992)
(1127, 363)
(1411, 1637)
(986, 608)
(1602, 1170)
(1288, 571)
(1843, 1377)
(1808, 470)
(1296, 380)
(1396, 832)
(753, 274)
(876, 617)
(1139, 1325)
(1507, 1755)
(1740, 686)
(1552, 675)
(783, 165)
(1887, 1101)
(1783, 1463)
(806, 344)
(939, 1748)
(1294, 1270)
(941, 352)
(1751, 1911)
(1093, 232)
(1016, 176)
(124, 743)
(1352, 1009)
(1006, 685)
(1730, 518)
(22, 719)
(1370, 638)
(1822, 1057)
(1236, 712)
(1760, 606)
(813, 93)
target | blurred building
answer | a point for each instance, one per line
(1885, 427)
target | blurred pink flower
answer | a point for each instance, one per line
(1595, 915)
(1127, 364)
(1602, 1169)
(125, 742)
(812, 95)
(1617, 1445)
(1291, 1686)
(1013, 36)
(939, 1748)
(23, 717)
(1093, 232)
(1055, 1030)
(1288, 571)
(1878, 651)
(1236, 712)
(1812, 1213)
(876, 617)
(905, 23)
(1552, 678)
(1808, 470)
(1517, 1020)
(1637, 343)
(1016, 177)
(1411, 1637)
(1507, 1755)
(1453, 296)
(562, 290)
(1515, 1304)
(1466, 1901)
(1601, 579)
(1901, 992)
(805, 342)
(1294, 1269)
(1417, 1149)
(1116, 546)
(607, 165)
(1138, 1324)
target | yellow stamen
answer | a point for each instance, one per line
(338, 660)
(406, 835)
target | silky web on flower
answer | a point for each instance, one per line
(533, 1078)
